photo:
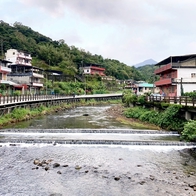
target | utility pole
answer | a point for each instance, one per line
(1, 48)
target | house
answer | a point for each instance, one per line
(29, 78)
(4, 70)
(140, 87)
(177, 75)
(92, 69)
(146, 88)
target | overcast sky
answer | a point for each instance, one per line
(130, 31)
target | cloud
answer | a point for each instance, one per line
(127, 30)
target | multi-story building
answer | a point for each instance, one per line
(177, 75)
(28, 77)
(4, 70)
(92, 69)
(6, 86)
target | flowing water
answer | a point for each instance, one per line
(84, 152)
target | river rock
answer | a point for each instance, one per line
(46, 168)
(117, 178)
(56, 165)
(36, 161)
(152, 177)
(59, 172)
(142, 182)
(192, 185)
(85, 114)
(77, 167)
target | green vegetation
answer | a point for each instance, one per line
(57, 55)
(22, 114)
(168, 119)
(189, 132)
(131, 98)
(190, 94)
(147, 71)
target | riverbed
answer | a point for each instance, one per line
(54, 169)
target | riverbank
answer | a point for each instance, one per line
(24, 114)
(116, 111)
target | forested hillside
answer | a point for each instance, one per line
(57, 54)
(147, 71)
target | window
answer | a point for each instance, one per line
(193, 75)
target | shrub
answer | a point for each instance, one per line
(129, 98)
(149, 116)
(189, 132)
(17, 93)
(19, 113)
(170, 119)
(141, 99)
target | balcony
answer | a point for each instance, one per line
(37, 84)
(5, 69)
(165, 81)
(163, 68)
(184, 80)
(36, 75)
(23, 56)
(23, 63)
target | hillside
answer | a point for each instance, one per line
(48, 53)
(148, 73)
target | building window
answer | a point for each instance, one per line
(0, 76)
(87, 70)
(193, 75)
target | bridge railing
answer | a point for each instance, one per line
(7, 100)
(24, 98)
(182, 100)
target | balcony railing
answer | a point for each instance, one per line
(184, 80)
(37, 84)
(163, 68)
(36, 75)
(181, 100)
(5, 69)
(164, 81)
(25, 56)
(23, 63)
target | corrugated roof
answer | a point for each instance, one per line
(176, 59)
(146, 85)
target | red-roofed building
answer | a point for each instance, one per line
(93, 69)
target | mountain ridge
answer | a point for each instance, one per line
(146, 62)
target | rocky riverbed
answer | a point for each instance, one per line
(100, 171)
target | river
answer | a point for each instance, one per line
(154, 163)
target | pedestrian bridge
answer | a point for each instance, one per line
(7, 103)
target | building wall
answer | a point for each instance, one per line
(17, 57)
(20, 79)
(11, 55)
(185, 72)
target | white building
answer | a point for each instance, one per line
(28, 77)
(18, 57)
(177, 75)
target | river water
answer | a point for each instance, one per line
(97, 169)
